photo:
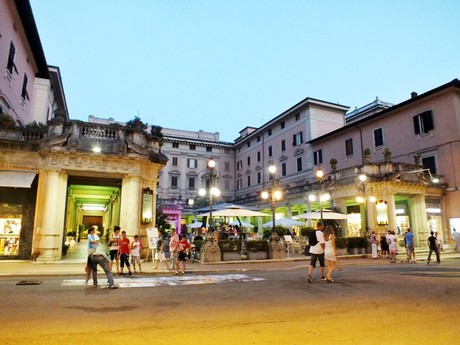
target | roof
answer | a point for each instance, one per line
(455, 83)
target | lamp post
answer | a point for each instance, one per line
(362, 198)
(322, 196)
(275, 193)
(212, 192)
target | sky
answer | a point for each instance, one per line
(220, 66)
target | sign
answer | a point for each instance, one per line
(147, 205)
(152, 235)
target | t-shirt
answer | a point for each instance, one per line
(136, 248)
(123, 245)
(91, 238)
(173, 242)
(183, 246)
(409, 238)
(114, 245)
(318, 249)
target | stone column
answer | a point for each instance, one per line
(130, 205)
(391, 213)
(49, 224)
(419, 221)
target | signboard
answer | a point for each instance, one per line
(147, 205)
(152, 235)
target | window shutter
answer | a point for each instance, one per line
(416, 124)
(293, 140)
(428, 121)
(301, 137)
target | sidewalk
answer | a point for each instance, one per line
(295, 261)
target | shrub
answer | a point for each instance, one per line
(341, 242)
(306, 230)
(230, 245)
(257, 246)
(198, 244)
(357, 242)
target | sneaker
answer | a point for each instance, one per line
(130, 274)
(323, 278)
(114, 286)
(176, 273)
(121, 274)
(309, 278)
(181, 273)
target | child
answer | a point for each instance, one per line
(136, 247)
(123, 253)
(159, 254)
(182, 256)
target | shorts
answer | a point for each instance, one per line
(135, 259)
(124, 258)
(182, 256)
(113, 254)
(315, 257)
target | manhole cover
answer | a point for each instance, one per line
(29, 282)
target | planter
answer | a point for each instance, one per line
(257, 255)
(341, 251)
(231, 256)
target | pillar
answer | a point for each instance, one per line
(49, 221)
(130, 205)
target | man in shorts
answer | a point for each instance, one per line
(183, 248)
(174, 248)
(317, 253)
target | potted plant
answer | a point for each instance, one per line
(386, 154)
(230, 249)
(341, 245)
(357, 245)
(367, 155)
(333, 163)
(257, 249)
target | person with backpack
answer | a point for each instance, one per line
(317, 245)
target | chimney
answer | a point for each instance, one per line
(413, 94)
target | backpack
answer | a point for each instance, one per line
(312, 239)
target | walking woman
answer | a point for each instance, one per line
(330, 252)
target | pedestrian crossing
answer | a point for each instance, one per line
(135, 282)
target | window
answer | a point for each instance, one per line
(192, 147)
(299, 164)
(283, 169)
(174, 181)
(349, 147)
(297, 116)
(429, 163)
(10, 65)
(283, 124)
(192, 163)
(318, 157)
(191, 183)
(175, 145)
(239, 165)
(258, 138)
(239, 182)
(208, 148)
(249, 180)
(258, 156)
(249, 161)
(24, 93)
(378, 137)
(283, 145)
(248, 144)
(423, 122)
(227, 166)
(297, 139)
(227, 151)
(227, 185)
(269, 132)
(270, 151)
(174, 161)
(259, 177)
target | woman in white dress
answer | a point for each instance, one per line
(329, 252)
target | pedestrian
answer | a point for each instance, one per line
(173, 247)
(102, 259)
(160, 253)
(373, 241)
(136, 247)
(113, 243)
(456, 238)
(93, 240)
(317, 252)
(384, 246)
(123, 253)
(438, 241)
(330, 253)
(433, 248)
(392, 245)
(409, 241)
(183, 248)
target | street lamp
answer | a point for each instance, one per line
(213, 190)
(323, 196)
(362, 198)
(275, 193)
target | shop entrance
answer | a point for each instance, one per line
(90, 201)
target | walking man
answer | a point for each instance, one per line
(409, 239)
(433, 248)
(317, 252)
(173, 248)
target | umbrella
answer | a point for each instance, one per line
(317, 215)
(283, 222)
(243, 224)
(235, 211)
(195, 225)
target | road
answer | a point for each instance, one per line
(372, 304)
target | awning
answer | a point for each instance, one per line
(17, 179)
